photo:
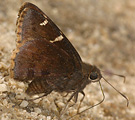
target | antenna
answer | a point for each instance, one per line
(117, 90)
(108, 72)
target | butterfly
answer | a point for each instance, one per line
(46, 59)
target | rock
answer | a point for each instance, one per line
(3, 88)
(37, 110)
(24, 103)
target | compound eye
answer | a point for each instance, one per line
(93, 75)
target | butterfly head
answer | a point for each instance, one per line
(95, 74)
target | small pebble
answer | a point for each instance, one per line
(5, 118)
(24, 103)
(37, 100)
(61, 104)
(3, 65)
(37, 110)
(5, 102)
(3, 88)
(48, 117)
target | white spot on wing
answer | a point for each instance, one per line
(44, 23)
(59, 38)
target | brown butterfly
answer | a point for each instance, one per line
(45, 57)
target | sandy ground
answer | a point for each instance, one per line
(103, 34)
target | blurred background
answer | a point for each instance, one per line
(102, 31)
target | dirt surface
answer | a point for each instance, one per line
(103, 34)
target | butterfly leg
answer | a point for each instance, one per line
(75, 94)
(57, 106)
(81, 101)
(75, 99)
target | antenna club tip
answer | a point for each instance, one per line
(127, 102)
(124, 80)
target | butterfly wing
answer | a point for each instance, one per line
(42, 51)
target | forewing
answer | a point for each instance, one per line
(42, 49)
